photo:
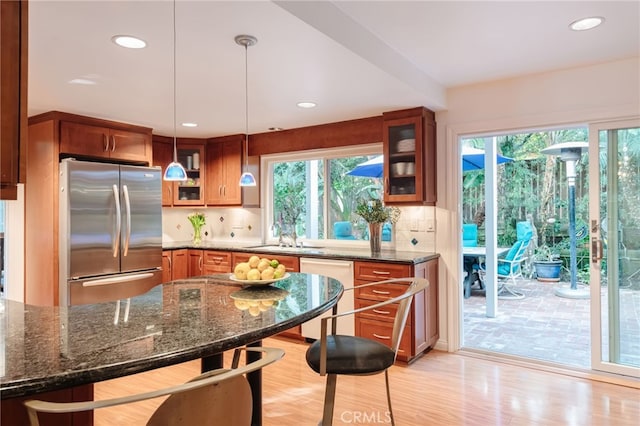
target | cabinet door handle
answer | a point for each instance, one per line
(381, 337)
(381, 292)
(220, 190)
(377, 311)
(169, 259)
(200, 264)
(113, 143)
(381, 272)
(170, 192)
(105, 143)
(224, 190)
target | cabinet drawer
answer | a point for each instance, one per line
(380, 331)
(373, 271)
(381, 291)
(384, 313)
(215, 262)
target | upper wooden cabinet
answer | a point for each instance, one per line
(223, 169)
(105, 142)
(409, 147)
(13, 83)
(191, 192)
(162, 157)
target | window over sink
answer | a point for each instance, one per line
(312, 194)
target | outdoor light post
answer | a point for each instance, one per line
(570, 153)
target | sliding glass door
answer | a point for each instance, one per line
(614, 161)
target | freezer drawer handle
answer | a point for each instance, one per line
(116, 238)
(115, 280)
(127, 205)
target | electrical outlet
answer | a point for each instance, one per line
(431, 225)
(414, 225)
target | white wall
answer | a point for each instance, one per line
(578, 95)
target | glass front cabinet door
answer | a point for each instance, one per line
(409, 157)
(191, 191)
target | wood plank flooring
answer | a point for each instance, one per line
(438, 389)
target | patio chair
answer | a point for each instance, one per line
(221, 396)
(469, 235)
(509, 268)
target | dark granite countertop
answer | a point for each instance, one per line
(392, 256)
(50, 348)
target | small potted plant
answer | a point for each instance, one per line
(547, 264)
(198, 220)
(375, 214)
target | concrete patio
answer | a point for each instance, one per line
(546, 327)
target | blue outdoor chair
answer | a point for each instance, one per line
(469, 235)
(343, 231)
(509, 268)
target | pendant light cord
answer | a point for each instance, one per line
(246, 105)
(175, 149)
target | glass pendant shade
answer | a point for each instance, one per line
(247, 179)
(175, 172)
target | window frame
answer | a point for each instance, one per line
(266, 166)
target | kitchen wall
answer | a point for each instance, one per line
(582, 95)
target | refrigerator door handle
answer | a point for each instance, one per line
(115, 280)
(116, 239)
(127, 206)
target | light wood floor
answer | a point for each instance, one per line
(438, 389)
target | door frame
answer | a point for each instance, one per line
(595, 282)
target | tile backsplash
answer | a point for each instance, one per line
(415, 229)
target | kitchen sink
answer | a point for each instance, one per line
(277, 248)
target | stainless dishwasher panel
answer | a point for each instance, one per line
(341, 271)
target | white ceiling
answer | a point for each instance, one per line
(354, 59)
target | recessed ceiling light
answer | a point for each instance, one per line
(586, 23)
(82, 81)
(275, 129)
(306, 104)
(190, 124)
(129, 42)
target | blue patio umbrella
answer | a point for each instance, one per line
(370, 168)
(473, 159)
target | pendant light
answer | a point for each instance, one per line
(175, 171)
(247, 178)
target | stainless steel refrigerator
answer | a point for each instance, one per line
(110, 231)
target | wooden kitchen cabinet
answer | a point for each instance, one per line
(224, 168)
(162, 157)
(190, 192)
(421, 330)
(105, 142)
(216, 262)
(175, 265)
(13, 82)
(194, 262)
(409, 148)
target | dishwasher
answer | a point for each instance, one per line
(342, 271)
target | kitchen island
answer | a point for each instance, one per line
(52, 348)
